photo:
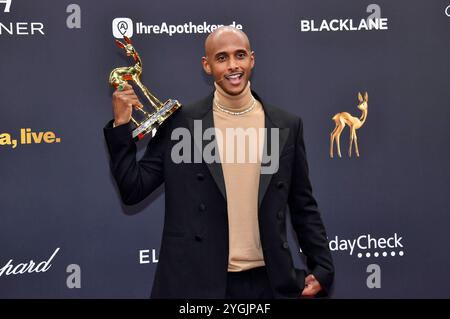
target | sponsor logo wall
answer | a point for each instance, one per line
(64, 232)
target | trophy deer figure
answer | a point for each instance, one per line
(354, 123)
(120, 75)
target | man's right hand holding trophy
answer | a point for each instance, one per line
(124, 99)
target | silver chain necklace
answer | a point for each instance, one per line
(223, 109)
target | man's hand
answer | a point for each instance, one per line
(123, 100)
(312, 286)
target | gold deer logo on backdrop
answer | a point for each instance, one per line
(354, 123)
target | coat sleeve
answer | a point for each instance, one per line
(306, 219)
(135, 179)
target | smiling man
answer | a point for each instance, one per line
(229, 59)
(225, 222)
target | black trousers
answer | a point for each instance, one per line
(249, 284)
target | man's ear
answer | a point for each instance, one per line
(252, 58)
(206, 66)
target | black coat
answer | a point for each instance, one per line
(193, 259)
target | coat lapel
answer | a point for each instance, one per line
(270, 126)
(204, 114)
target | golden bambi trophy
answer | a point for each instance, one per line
(146, 121)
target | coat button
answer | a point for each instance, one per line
(280, 185)
(280, 214)
(198, 238)
(200, 176)
(202, 207)
(285, 245)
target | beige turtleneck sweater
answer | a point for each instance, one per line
(241, 175)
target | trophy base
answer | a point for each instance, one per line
(155, 119)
